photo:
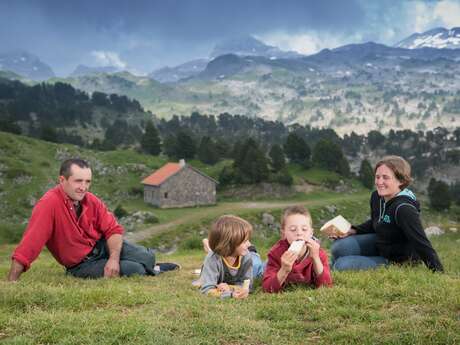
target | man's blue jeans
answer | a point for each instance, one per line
(134, 259)
(356, 252)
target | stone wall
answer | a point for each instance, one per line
(186, 188)
(152, 195)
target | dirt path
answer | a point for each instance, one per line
(227, 207)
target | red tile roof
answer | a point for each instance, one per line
(162, 174)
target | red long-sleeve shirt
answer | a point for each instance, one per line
(54, 223)
(302, 272)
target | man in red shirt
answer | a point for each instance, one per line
(80, 232)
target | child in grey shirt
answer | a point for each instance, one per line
(229, 264)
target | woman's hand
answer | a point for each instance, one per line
(339, 235)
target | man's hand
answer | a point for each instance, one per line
(112, 268)
(15, 271)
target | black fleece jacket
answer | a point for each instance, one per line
(400, 235)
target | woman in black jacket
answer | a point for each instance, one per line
(394, 233)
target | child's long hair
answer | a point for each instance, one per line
(227, 233)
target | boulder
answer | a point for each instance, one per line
(433, 231)
(268, 219)
(331, 209)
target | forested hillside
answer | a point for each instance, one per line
(59, 113)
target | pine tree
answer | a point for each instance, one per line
(150, 141)
(251, 166)
(48, 133)
(375, 139)
(226, 176)
(277, 158)
(366, 174)
(207, 151)
(223, 148)
(116, 134)
(328, 155)
(169, 146)
(8, 125)
(297, 150)
(185, 146)
(455, 192)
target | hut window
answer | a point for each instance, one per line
(166, 195)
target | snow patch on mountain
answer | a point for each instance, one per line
(439, 38)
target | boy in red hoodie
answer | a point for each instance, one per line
(286, 266)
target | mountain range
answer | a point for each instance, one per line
(356, 87)
(31, 67)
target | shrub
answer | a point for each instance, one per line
(283, 177)
(366, 174)
(226, 176)
(192, 243)
(151, 219)
(120, 212)
(136, 191)
(439, 195)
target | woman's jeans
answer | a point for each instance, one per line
(356, 252)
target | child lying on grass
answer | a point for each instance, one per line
(307, 264)
(258, 266)
(227, 269)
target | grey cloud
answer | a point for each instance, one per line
(151, 33)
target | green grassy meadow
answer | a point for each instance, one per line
(395, 305)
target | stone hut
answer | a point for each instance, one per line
(179, 185)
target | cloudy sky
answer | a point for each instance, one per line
(142, 35)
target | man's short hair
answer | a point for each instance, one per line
(67, 165)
